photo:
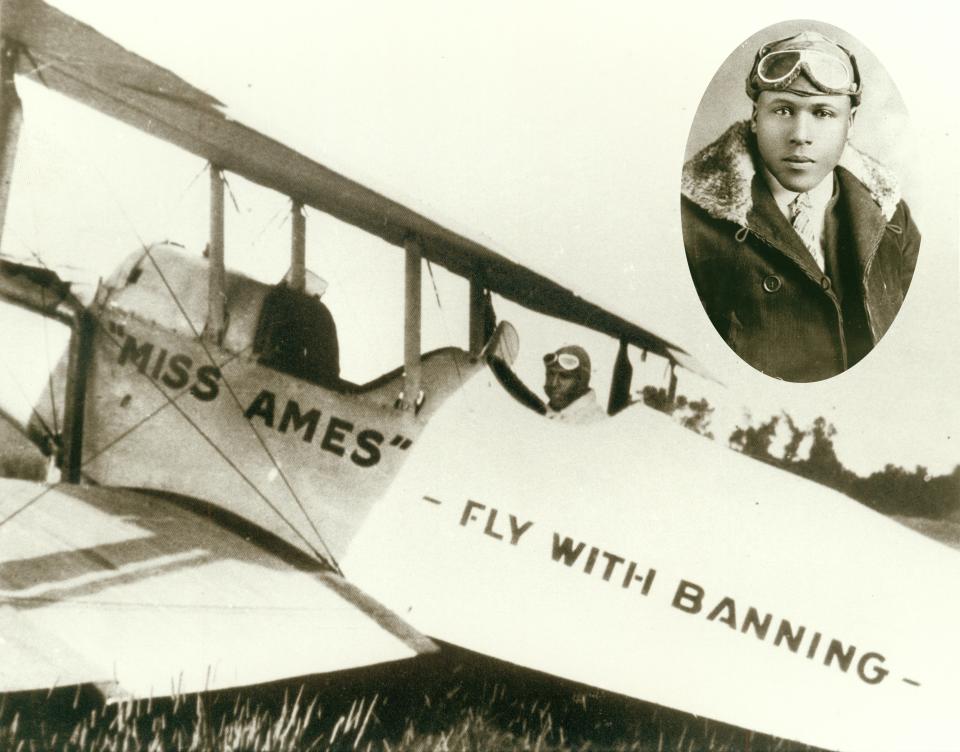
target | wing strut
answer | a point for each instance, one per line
(298, 247)
(79, 354)
(620, 383)
(11, 116)
(411, 324)
(478, 317)
(216, 291)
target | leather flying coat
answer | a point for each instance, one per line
(760, 286)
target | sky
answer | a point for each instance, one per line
(556, 132)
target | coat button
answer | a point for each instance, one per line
(772, 283)
(825, 283)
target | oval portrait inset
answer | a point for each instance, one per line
(799, 242)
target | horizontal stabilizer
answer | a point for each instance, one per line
(143, 594)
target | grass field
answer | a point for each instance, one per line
(451, 701)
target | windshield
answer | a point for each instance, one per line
(500, 353)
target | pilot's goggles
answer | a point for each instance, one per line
(828, 73)
(566, 361)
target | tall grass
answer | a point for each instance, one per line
(457, 701)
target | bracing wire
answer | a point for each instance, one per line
(436, 294)
(329, 558)
(146, 418)
(43, 301)
(51, 435)
(33, 410)
(229, 387)
(171, 401)
(23, 507)
(267, 226)
(233, 197)
(46, 354)
(197, 607)
(190, 185)
(329, 554)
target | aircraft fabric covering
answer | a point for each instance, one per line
(145, 597)
(723, 587)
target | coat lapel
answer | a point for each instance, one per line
(766, 221)
(867, 223)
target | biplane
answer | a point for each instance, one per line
(231, 510)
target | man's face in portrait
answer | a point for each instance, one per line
(801, 138)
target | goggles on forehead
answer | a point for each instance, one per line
(828, 73)
(566, 361)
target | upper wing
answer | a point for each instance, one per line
(148, 597)
(76, 60)
(636, 556)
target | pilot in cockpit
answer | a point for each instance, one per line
(567, 386)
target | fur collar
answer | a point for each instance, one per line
(719, 177)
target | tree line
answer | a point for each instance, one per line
(893, 490)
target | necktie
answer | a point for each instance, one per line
(803, 222)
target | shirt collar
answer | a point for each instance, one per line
(819, 196)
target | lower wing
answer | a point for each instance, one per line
(145, 596)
